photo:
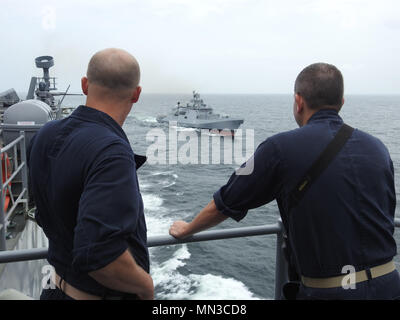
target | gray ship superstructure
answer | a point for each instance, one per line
(41, 94)
(20, 120)
(24, 117)
(196, 114)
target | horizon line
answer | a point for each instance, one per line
(245, 93)
(268, 93)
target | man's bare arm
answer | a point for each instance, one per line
(207, 218)
(125, 275)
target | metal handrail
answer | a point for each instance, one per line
(22, 197)
(14, 174)
(16, 202)
(157, 241)
(12, 144)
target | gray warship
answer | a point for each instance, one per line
(196, 114)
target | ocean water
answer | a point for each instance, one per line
(235, 268)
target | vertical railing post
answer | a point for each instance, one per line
(281, 266)
(3, 223)
(24, 172)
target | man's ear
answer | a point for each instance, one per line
(136, 94)
(85, 85)
(299, 103)
(340, 107)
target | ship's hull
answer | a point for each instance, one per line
(26, 276)
(222, 124)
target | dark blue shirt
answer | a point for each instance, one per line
(347, 215)
(83, 176)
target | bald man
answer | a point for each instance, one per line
(84, 183)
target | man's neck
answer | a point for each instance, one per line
(308, 113)
(117, 111)
(311, 112)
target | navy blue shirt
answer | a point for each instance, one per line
(347, 215)
(83, 176)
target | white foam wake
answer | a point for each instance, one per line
(173, 285)
(152, 202)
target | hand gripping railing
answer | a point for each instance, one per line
(19, 165)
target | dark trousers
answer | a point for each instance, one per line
(57, 294)
(54, 294)
(385, 287)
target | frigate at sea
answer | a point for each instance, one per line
(196, 114)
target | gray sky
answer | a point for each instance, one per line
(213, 46)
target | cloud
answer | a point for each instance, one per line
(218, 45)
(197, 9)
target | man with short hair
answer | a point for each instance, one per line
(345, 218)
(84, 182)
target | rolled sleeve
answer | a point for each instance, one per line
(245, 192)
(224, 209)
(108, 213)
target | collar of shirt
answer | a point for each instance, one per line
(324, 115)
(93, 115)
